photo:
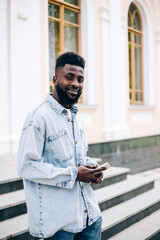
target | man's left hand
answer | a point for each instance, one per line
(99, 176)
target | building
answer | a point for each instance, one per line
(120, 41)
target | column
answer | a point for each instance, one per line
(114, 73)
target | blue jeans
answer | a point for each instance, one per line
(91, 232)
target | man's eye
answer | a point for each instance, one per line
(80, 80)
(69, 77)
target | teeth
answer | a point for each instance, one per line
(72, 91)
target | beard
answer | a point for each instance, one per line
(65, 98)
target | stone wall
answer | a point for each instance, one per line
(138, 154)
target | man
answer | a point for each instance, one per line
(52, 161)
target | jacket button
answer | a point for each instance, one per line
(85, 211)
(76, 142)
(65, 111)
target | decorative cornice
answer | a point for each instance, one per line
(22, 16)
(104, 13)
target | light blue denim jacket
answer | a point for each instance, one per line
(48, 156)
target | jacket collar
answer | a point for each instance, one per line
(58, 107)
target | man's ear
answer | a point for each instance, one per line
(55, 81)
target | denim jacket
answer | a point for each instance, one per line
(49, 153)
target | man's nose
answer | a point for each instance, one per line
(75, 82)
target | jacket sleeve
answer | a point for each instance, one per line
(32, 166)
(90, 161)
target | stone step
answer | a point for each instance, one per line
(117, 193)
(112, 175)
(10, 182)
(121, 216)
(114, 219)
(9, 179)
(11, 185)
(146, 229)
(12, 205)
(15, 229)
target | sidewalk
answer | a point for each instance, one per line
(8, 167)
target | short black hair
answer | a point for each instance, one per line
(70, 58)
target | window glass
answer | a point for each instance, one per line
(129, 20)
(74, 2)
(71, 35)
(136, 22)
(137, 69)
(130, 82)
(137, 38)
(138, 96)
(130, 95)
(129, 36)
(132, 8)
(70, 16)
(53, 10)
(54, 46)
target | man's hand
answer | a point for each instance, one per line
(87, 173)
(99, 178)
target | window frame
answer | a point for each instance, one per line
(62, 22)
(132, 31)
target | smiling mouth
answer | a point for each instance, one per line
(73, 92)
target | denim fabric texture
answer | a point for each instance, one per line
(48, 156)
(92, 232)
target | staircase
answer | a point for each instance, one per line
(130, 204)
(131, 208)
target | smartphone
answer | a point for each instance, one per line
(105, 165)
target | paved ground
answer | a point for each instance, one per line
(8, 167)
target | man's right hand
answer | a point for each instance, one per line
(86, 173)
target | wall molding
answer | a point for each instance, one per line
(105, 13)
(158, 36)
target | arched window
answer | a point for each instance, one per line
(135, 48)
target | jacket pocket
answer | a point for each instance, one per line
(60, 146)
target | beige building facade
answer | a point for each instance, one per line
(120, 41)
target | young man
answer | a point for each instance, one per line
(52, 161)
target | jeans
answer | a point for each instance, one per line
(92, 232)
